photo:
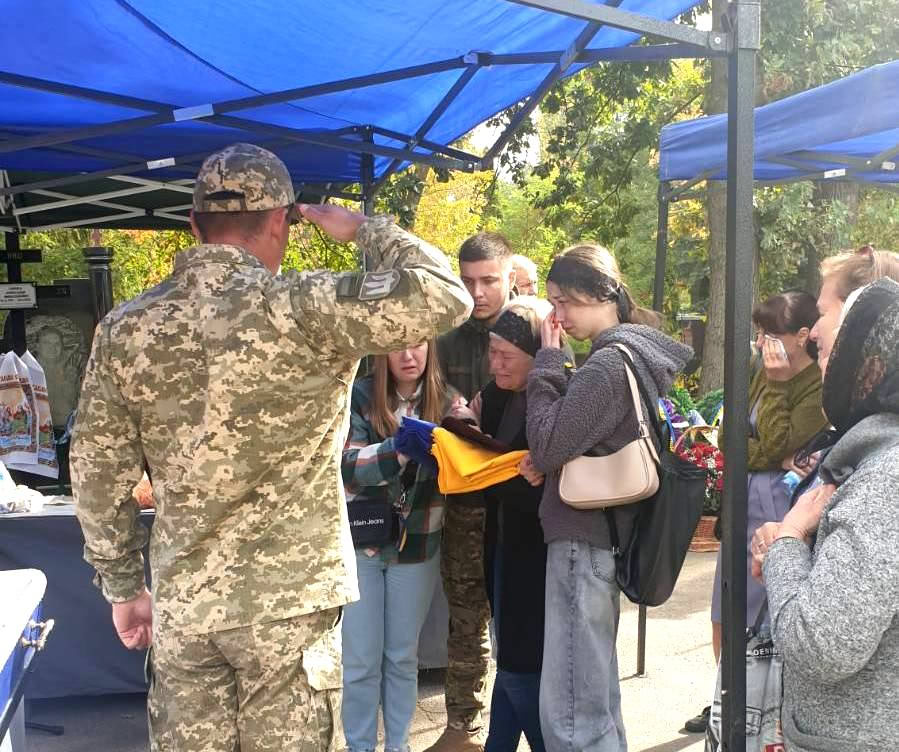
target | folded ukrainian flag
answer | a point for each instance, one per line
(414, 440)
(466, 467)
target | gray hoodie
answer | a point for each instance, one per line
(835, 609)
(591, 408)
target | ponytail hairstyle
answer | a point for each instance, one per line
(853, 269)
(590, 273)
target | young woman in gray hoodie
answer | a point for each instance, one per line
(569, 413)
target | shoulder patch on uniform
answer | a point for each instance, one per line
(348, 284)
(376, 285)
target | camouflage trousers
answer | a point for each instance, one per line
(263, 688)
(468, 646)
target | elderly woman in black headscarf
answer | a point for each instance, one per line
(514, 537)
(831, 568)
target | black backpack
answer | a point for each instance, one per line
(648, 563)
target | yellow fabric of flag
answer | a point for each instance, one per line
(464, 466)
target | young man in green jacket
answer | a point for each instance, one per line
(485, 262)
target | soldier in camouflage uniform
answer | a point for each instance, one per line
(485, 261)
(233, 383)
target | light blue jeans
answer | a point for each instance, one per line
(580, 699)
(380, 650)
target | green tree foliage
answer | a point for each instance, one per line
(450, 208)
(806, 43)
(877, 221)
(142, 258)
(600, 128)
(524, 224)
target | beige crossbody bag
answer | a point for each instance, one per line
(623, 477)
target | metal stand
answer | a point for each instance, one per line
(744, 19)
(18, 692)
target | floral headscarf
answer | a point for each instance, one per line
(862, 376)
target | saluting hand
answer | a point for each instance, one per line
(338, 222)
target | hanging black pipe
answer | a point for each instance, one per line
(99, 260)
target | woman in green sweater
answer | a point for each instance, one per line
(785, 412)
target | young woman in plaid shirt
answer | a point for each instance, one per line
(397, 578)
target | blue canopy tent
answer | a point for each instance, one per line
(110, 106)
(345, 93)
(845, 130)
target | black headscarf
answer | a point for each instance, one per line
(862, 376)
(518, 331)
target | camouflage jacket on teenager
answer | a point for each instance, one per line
(234, 384)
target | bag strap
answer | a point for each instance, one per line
(613, 530)
(636, 385)
(760, 618)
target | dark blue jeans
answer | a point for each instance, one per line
(515, 708)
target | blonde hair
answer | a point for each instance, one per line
(385, 400)
(532, 311)
(853, 269)
(590, 272)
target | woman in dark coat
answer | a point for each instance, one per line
(514, 535)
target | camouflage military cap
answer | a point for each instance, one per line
(243, 177)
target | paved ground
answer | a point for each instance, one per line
(678, 682)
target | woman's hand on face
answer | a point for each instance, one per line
(775, 360)
(551, 332)
(762, 538)
(530, 473)
(803, 519)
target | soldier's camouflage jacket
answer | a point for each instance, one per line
(234, 384)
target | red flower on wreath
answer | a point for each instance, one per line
(709, 458)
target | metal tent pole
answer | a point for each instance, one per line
(641, 640)
(368, 209)
(368, 181)
(745, 16)
(658, 292)
(658, 289)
